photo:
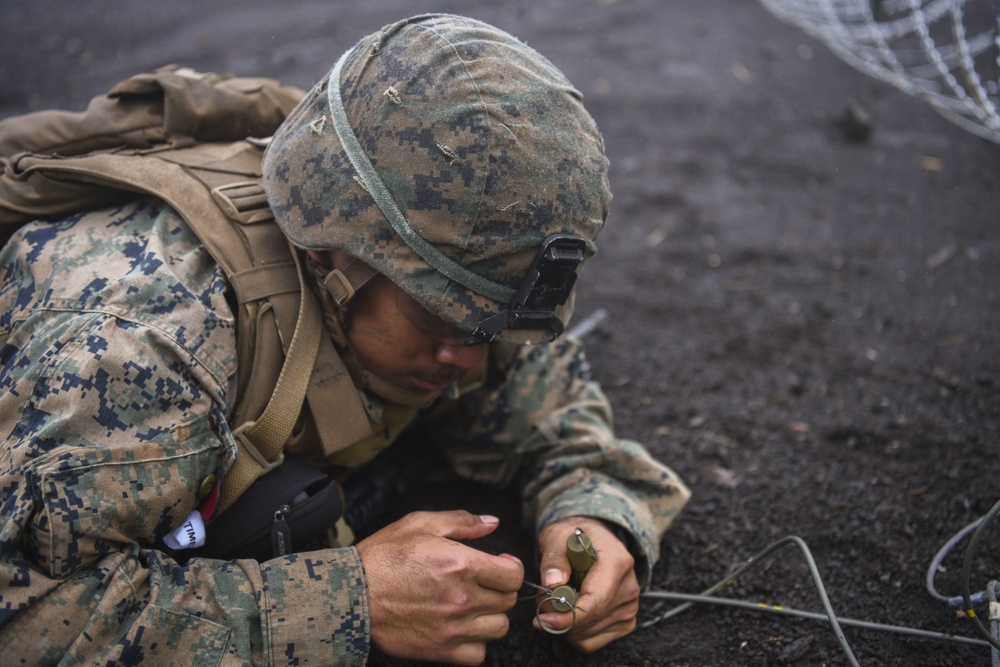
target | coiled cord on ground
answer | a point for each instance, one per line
(992, 592)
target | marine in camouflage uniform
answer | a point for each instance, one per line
(119, 364)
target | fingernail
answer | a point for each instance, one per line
(488, 518)
(551, 578)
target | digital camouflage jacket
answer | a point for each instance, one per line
(117, 369)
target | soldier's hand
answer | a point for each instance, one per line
(433, 598)
(609, 597)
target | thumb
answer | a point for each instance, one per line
(554, 568)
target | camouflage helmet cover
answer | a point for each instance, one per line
(481, 144)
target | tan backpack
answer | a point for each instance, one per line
(189, 139)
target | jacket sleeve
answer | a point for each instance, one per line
(107, 431)
(541, 424)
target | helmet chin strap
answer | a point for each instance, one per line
(335, 289)
(344, 284)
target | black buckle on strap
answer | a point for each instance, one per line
(547, 285)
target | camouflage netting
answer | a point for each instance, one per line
(942, 51)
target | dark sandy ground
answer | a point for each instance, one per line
(804, 326)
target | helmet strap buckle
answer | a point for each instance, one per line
(344, 284)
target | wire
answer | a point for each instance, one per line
(589, 323)
(932, 570)
(993, 592)
(966, 575)
(754, 561)
(788, 611)
(708, 596)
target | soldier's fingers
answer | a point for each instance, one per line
(489, 601)
(589, 643)
(470, 642)
(503, 573)
(594, 632)
(554, 621)
(622, 611)
(491, 626)
(553, 565)
(453, 524)
(470, 653)
(603, 596)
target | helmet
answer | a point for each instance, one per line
(445, 154)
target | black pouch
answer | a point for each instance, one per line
(288, 509)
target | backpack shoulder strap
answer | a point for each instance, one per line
(216, 190)
(216, 187)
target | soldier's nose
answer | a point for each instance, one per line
(463, 356)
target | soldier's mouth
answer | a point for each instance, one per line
(438, 382)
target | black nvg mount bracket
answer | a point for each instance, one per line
(546, 285)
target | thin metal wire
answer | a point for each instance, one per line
(811, 615)
(709, 594)
(955, 601)
(548, 629)
(753, 562)
(551, 597)
(970, 552)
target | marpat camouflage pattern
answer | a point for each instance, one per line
(483, 144)
(118, 364)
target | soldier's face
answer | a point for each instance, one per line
(412, 350)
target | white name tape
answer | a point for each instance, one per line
(189, 536)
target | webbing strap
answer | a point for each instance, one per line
(311, 366)
(343, 284)
(265, 281)
(380, 193)
(337, 412)
(264, 438)
(260, 441)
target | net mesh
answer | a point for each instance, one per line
(946, 52)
